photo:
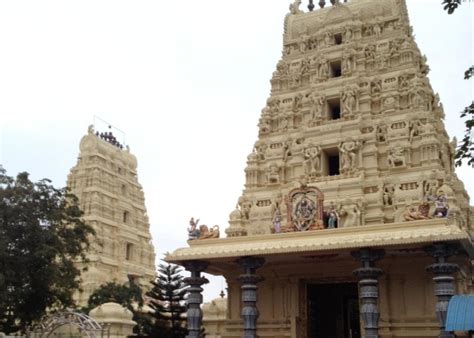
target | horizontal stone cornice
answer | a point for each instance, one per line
(386, 235)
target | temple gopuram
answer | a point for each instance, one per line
(106, 185)
(352, 222)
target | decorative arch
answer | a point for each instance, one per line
(305, 209)
(86, 325)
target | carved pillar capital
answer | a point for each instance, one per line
(251, 264)
(441, 251)
(368, 256)
(368, 276)
(195, 266)
(194, 300)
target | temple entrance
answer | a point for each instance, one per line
(333, 311)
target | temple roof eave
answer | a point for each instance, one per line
(422, 232)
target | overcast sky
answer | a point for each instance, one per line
(185, 81)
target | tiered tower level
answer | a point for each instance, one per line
(105, 182)
(351, 113)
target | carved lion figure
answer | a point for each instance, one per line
(205, 232)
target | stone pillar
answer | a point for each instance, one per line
(443, 280)
(194, 301)
(249, 282)
(368, 276)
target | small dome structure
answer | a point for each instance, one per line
(215, 309)
(112, 313)
(235, 215)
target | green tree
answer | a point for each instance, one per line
(124, 294)
(167, 301)
(41, 236)
(465, 148)
(129, 295)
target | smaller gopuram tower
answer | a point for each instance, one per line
(352, 221)
(105, 182)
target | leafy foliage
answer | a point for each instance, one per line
(41, 236)
(167, 300)
(469, 73)
(451, 5)
(465, 150)
(123, 294)
(128, 295)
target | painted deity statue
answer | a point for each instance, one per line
(193, 231)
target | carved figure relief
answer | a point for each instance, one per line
(347, 35)
(430, 188)
(193, 231)
(349, 101)
(275, 106)
(260, 150)
(203, 232)
(396, 157)
(245, 206)
(403, 83)
(287, 149)
(395, 48)
(206, 233)
(265, 126)
(302, 43)
(317, 106)
(304, 213)
(441, 207)
(414, 129)
(305, 208)
(348, 152)
(298, 102)
(350, 213)
(273, 174)
(388, 194)
(414, 214)
(328, 39)
(416, 99)
(369, 53)
(295, 7)
(377, 29)
(283, 68)
(348, 64)
(323, 68)
(383, 60)
(312, 161)
(376, 87)
(277, 220)
(333, 217)
(305, 66)
(381, 133)
(434, 103)
(424, 68)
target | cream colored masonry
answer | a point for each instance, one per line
(105, 182)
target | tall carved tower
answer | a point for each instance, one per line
(351, 112)
(351, 207)
(105, 182)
